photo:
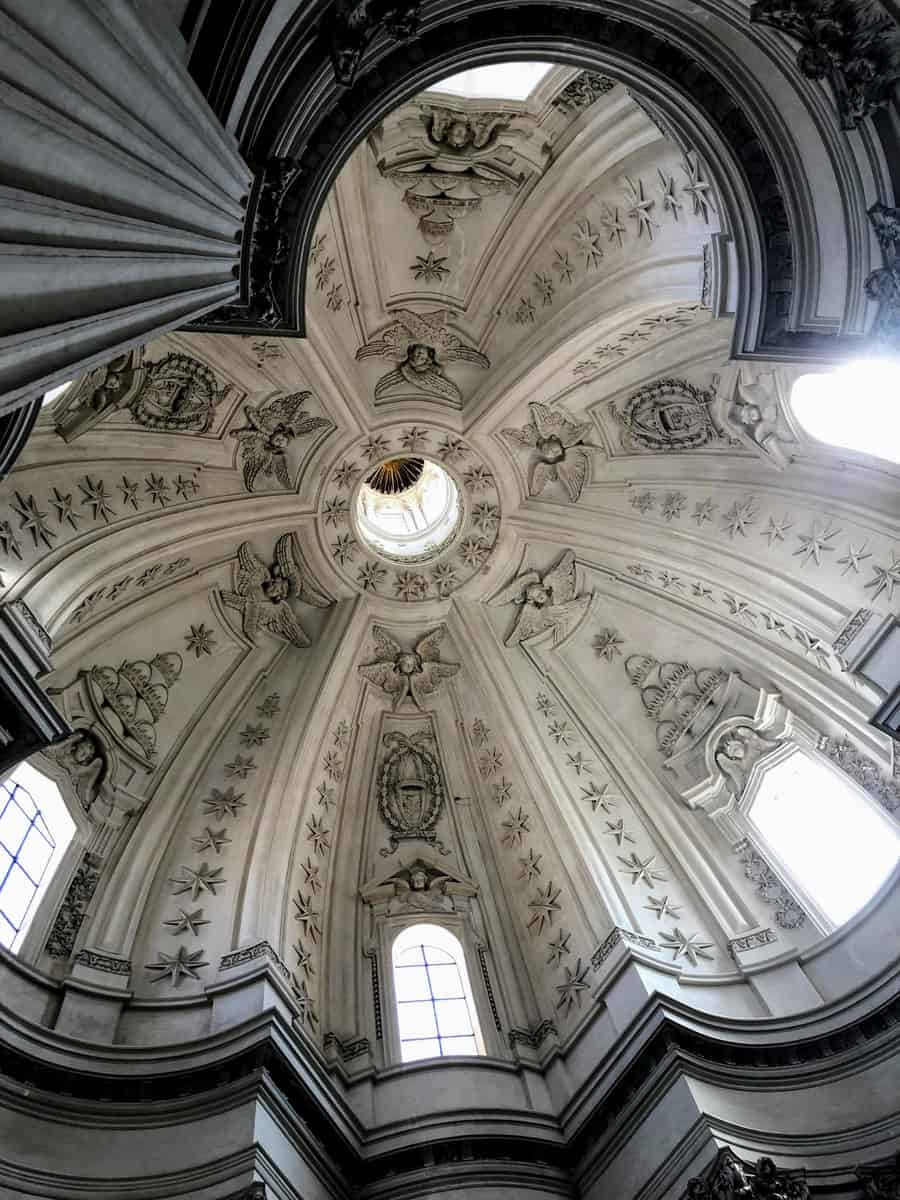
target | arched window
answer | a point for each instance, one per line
(853, 407)
(35, 830)
(435, 1010)
(833, 843)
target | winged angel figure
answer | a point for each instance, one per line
(561, 452)
(270, 429)
(547, 602)
(416, 673)
(421, 344)
(261, 593)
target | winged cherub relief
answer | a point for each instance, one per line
(262, 593)
(546, 602)
(561, 450)
(421, 345)
(416, 673)
(271, 428)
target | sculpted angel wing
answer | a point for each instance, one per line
(531, 621)
(564, 617)
(513, 593)
(388, 381)
(282, 411)
(561, 579)
(541, 474)
(279, 620)
(255, 459)
(573, 471)
(450, 347)
(385, 646)
(251, 572)
(550, 422)
(429, 679)
(428, 647)
(280, 469)
(525, 437)
(432, 380)
(290, 569)
(249, 610)
(394, 341)
(385, 676)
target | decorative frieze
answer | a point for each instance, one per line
(728, 1178)
(863, 770)
(103, 962)
(854, 44)
(751, 941)
(239, 958)
(533, 1037)
(788, 912)
(883, 284)
(71, 914)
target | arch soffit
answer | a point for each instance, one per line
(311, 119)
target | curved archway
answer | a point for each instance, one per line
(314, 123)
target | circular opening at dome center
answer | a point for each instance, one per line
(408, 508)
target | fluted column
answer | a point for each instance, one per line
(122, 199)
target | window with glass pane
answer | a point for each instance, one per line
(833, 841)
(435, 1015)
(35, 829)
(26, 847)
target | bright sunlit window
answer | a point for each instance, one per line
(435, 1012)
(502, 81)
(35, 829)
(854, 407)
(830, 837)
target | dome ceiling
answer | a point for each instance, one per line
(534, 297)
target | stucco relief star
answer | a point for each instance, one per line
(815, 543)
(543, 907)
(224, 804)
(183, 964)
(558, 947)
(570, 991)
(641, 870)
(32, 520)
(211, 839)
(308, 916)
(885, 579)
(687, 946)
(202, 879)
(600, 797)
(186, 922)
(517, 825)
